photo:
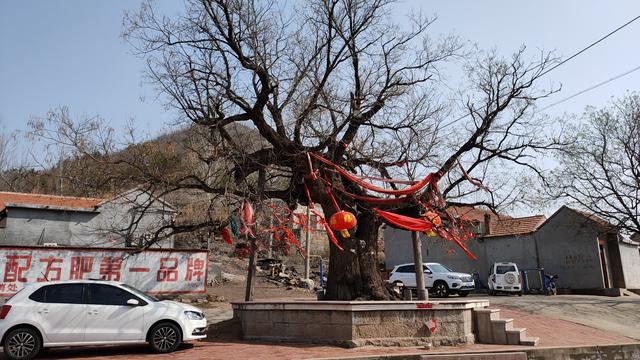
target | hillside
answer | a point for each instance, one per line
(163, 159)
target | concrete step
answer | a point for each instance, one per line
(503, 324)
(499, 329)
(490, 329)
(493, 314)
(514, 336)
(529, 341)
(483, 324)
(477, 356)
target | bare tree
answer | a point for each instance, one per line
(16, 172)
(7, 144)
(600, 172)
(266, 86)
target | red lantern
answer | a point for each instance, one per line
(343, 221)
(434, 218)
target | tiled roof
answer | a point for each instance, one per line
(515, 226)
(11, 199)
(473, 213)
(598, 220)
(501, 225)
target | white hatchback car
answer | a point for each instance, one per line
(86, 312)
(504, 277)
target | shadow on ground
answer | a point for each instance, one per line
(228, 330)
(101, 351)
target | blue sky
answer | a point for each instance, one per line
(69, 53)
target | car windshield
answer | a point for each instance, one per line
(503, 269)
(439, 269)
(140, 293)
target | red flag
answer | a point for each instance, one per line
(247, 217)
(432, 325)
(226, 235)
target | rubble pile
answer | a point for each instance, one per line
(199, 299)
(276, 272)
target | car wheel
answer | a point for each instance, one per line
(22, 344)
(492, 293)
(519, 293)
(440, 289)
(164, 338)
(463, 293)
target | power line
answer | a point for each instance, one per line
(454, 121)
(592, 45)
(568, 59)
(592, 87)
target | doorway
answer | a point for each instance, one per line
(603, 262)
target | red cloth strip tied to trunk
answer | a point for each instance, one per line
(355, 179)
(226, 235)
(321, 218)
(405, 222)
(374, 200)
(420, 225)
(327, 228)
(247, 217)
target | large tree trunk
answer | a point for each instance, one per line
(353, 272)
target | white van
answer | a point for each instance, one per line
(504, 277)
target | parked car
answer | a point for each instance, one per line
(86, 312)
(504, 277)
(441, 280)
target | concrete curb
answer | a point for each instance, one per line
(597, 352)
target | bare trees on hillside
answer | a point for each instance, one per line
(600, 171)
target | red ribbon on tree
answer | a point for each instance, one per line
(321, 218)
(421, 225)
(355, 179)
(247, 218)
(226, 235)
(405, 222)
(327, 228)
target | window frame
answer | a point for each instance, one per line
(511, 268)
(87, 295)
(409, 266)
(45, 299)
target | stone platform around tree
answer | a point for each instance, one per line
(359, 323)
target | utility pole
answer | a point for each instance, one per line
(417, 261)
(306, 244)
(270, 233)
(248, 295)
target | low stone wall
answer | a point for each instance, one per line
(359, 323)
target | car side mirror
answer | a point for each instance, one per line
(133, 302)
(427, 271)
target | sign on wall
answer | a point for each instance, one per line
(153, 271)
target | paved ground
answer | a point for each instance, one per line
(219, 313)
(608, 320)
(620, 315)
(552, 332)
